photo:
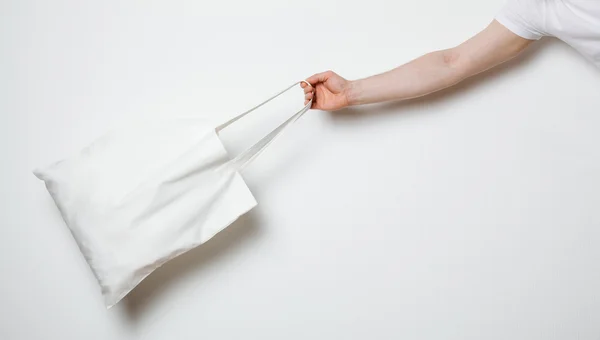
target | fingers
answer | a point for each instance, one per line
(313, 81)
(306, 86)
(308, 91)
(309, 96)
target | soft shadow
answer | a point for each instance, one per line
(194, 261)
(511, 66)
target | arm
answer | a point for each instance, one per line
(429, 73)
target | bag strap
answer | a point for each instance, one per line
(241, 161)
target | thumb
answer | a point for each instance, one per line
(319, 77)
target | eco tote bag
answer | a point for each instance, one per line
(140, 196)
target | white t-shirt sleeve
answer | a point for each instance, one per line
(522, 18)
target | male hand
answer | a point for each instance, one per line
(329, 91)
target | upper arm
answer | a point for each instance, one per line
(490, 47)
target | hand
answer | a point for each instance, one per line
(329, 91)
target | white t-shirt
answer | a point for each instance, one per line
(576, 22)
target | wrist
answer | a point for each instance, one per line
(353, 93)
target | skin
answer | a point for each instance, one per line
(429, 73)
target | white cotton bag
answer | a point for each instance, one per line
(140, 196)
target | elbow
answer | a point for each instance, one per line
(458, 64)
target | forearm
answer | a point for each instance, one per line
(429, 73)
(438, 70)
(426, 74)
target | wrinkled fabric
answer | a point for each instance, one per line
(138, 197)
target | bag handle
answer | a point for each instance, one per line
(241, 161)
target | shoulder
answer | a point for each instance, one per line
(524, 17)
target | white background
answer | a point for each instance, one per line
(470, 214)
